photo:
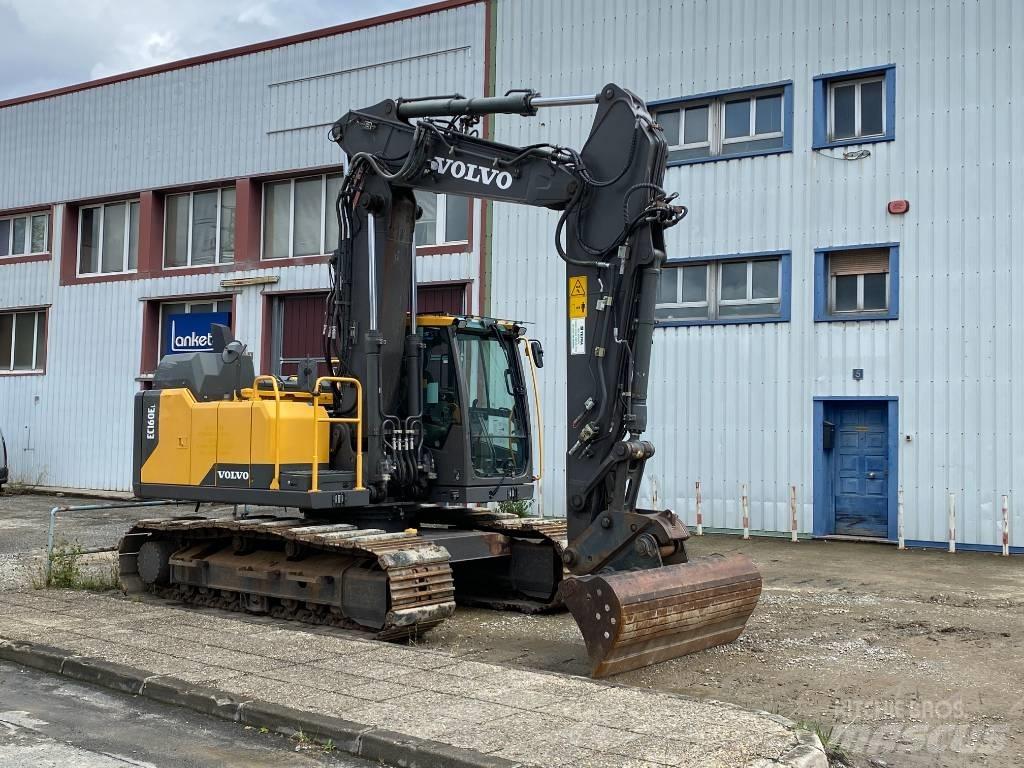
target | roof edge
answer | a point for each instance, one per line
(242, 50)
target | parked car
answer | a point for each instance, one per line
(3, 461)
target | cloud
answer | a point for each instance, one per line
(53, 43)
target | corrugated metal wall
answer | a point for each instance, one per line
(265, 112)
(734, 404)
(260, 113)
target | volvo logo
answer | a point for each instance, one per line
(459, 169)
(231, 474)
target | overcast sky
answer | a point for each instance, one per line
(52, 43)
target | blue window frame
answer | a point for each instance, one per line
(728, 124)
(857, 282)
(725, 290)
(855, 107)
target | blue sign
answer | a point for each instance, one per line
(190, 332)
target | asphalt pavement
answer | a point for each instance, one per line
(48, 721)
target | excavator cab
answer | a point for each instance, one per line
(475, 412)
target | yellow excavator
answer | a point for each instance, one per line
(407, 448)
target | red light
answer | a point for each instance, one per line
(898, 207)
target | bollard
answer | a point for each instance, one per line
(745, 505)
(952, 523)
(792, 513)
(1006, 526)
(700, 512)
(901, 541)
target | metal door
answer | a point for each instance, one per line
(861, 467)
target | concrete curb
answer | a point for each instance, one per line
(369, 742)
(366, 741)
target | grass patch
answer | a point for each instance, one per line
(67, 571)
(520, 508)
(833, 750)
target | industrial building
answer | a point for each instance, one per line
(838, 322)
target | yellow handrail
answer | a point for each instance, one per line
(275, 484)
(357, 420)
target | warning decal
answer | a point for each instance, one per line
(578, 296)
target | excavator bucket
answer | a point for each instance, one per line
(634, 618)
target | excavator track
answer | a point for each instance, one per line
(531, 580)
(389, 585)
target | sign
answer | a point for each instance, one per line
(577, 336)
(191, 332)
(577, 296)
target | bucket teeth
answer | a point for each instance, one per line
(635, 618)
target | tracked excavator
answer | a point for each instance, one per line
(400, 448)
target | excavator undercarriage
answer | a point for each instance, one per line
(404, 448)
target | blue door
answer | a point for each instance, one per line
(860, 464)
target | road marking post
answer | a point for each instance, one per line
(901, 540)
(745, 505)
(1006, 526)
(952, 523)
(700, 512)
(792, 513)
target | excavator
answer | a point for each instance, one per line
(407, 448)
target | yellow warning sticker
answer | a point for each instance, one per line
(578, 296)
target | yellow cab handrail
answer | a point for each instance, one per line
(275, 484)
(357, 420)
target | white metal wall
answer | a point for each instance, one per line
(733, 404)
(260, 113)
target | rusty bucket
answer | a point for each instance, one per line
(634, 618)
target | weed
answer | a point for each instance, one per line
(520, 508)
(23, 486)
(328, 746)
(833, 750)
(264, 729)
(66, 571)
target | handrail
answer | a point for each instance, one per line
(275, 484)
(357, 420)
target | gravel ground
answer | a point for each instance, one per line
(24, 519)
(910, 658)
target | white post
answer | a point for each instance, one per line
(700, 512)
(901, 541)
(792, 513)
(745, 506)
(952, 522)
(1006, 526)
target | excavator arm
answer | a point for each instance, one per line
(637, 599)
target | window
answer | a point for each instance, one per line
(22, 341)
(855, 107)
(445, 219)
(857, 283)
(169, 308)
(299, 217)
(108, 238)
(728, 124)
(24, 235)
(728, 289)
(199, 228)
